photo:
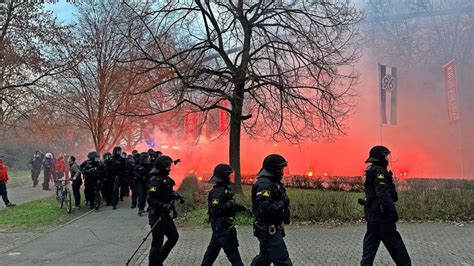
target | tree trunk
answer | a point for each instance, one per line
(234, 139)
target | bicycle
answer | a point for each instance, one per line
(63, 194)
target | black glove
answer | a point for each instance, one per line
(178, 196)
(166, 207)
(248, 211)
(361, 201)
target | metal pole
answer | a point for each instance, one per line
(380, 103)
(459, 120)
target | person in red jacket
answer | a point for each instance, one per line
(60, 167)
(3, 183)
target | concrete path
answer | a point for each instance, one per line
(26, 193)
(109, 237)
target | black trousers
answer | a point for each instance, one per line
(88, 190)
(3, 192)
(106, 189)
(226, 239)
(141, 194)
(92, 192)
(76, 191)
(272, 249)
(388, 234)
(35, 172)
(124, 188)
(116, 190)
(47, 176)
(158, 251)
(133, 187)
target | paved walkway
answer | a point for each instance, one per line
(26, 193)
(109, 237)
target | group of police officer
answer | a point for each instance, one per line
(115, 175)
(271, 209)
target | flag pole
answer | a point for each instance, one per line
(379, 89)
(459, 122)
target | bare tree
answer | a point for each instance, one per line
(100, 86)
(30, 41)
(275, 68)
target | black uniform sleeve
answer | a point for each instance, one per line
(216, 203)
(267, 204)
(383, 188)
(156, 185)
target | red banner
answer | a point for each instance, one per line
(451, 91)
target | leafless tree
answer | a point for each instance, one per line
(30, 41)
(279, 70)
(100, 86)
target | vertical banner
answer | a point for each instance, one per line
(388, 93)
(223, 118)
(190, 123)
(451, 91)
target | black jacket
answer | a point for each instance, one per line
(380, 194)
(94, 171)
(117, 166)
(142, 172)
(270, 204)
(221, 204)
(160, 192)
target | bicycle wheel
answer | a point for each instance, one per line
(68, 201)
(59, 197)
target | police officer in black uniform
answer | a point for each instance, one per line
(118, 170)
(380, 212)
(270, 205)
(162, 212)
(222, 209)
(132, 181)
(87, 184)
(94, 172)
(142, 174)
(108, 182)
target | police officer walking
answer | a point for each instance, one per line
(270, 205)
(118, 170)
(94, 171)
(134, 160)
(142, 174)
(162, 212)
(222, 209)
(108, 182)
(36, 163)
(380, 212)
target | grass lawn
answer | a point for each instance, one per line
(316, 205)
(19, 178)
(37, 216)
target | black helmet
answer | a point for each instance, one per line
(221, 174)
(135, 152)
(117, 151)
(143, 157)
(273, 165)
(106, 156)
(92, 154)
(162, 165)
(136, 156)
(377, 154)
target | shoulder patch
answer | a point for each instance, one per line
(153, 189)
(215, 201)
(265, 193)
(380, 176)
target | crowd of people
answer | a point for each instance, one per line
(111, 178)
(146, 175)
